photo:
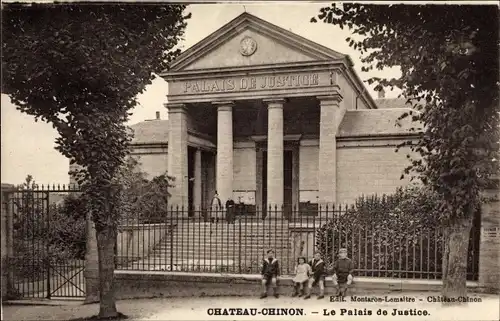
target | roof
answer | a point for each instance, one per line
(367, 122)
(209, 55)
(392, 103)
(245, 21)
(150, 132)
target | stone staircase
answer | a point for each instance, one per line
(232, 248)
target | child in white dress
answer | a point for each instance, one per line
(302, 273)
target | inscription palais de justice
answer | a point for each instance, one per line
(251, 83)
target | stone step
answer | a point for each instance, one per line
(222, 249)
(232, 228)
(220, 232)
(220, 235)
(215, 250)
(157, 259)
(220, 245)
(225, 237)
(224, 240)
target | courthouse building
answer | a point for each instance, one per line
(266, 117)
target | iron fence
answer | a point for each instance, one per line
(235, 241)
(47, 241)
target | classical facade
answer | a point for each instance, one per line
(266, 117)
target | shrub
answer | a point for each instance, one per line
(67, 233)
(143, 201)
(396, 235)
(43, 236)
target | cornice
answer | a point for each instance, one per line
(254, 70)
(253, 94)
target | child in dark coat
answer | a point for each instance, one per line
(270, 272)
(342, 272)
(318, 276)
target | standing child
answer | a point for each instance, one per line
(270, 272)
(302, 272)
(342, 272)
(318, 276)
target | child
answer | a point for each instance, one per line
(270, 272)
(318, 276)
(302, 272)
(342, 272)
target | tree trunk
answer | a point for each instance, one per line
(106, 238)
(455, 258)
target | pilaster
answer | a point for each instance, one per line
(330, 118)
(178, 154)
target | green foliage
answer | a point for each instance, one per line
(143, 200)
(46, 233)
(389, 233)
(80, 68)
(449, 64)
(67, 231)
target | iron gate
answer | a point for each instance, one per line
(43, 262)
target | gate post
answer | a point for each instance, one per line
(7, 241)
(91, 272)
(489, 269)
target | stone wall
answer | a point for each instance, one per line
(153, 160)
(137, 241)
(136, 284)
(367, 166)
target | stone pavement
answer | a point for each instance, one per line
(207, 308)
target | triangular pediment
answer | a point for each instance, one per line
(268, 45)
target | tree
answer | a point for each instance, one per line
(80, 68)
(448, 57)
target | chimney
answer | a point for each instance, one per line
(157, 115)
(381, 94)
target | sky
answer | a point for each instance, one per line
(28, 147)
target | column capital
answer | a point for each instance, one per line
(274, 102)
(333, 99)
(175, 107)
(225, 105)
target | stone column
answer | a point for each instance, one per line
(224, 162)
(197, 191)
(331, 116)
(178, 154)
(489, 258)
(275, 153)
